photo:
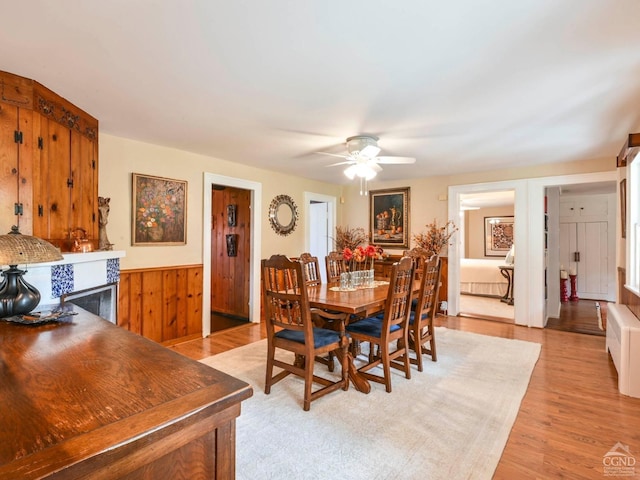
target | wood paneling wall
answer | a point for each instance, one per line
(162, 304)
(628, 298)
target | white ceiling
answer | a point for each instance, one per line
(463, 86)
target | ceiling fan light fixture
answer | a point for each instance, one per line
(360, 170)
(350, 172)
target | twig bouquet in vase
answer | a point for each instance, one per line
(358, 259)
(435, 239)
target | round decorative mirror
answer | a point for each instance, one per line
(283, 214)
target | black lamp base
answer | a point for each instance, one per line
(17, 297)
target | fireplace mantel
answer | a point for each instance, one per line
(76, 271)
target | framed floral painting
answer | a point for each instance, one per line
(389, 217)
(159, 211)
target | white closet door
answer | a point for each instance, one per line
(568, 245)
(590, 240)
(592, 267)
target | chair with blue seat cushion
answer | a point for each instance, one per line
(335, 265)
(421, 328)
(390, 331)
(311, 275)
(419, 257)
(290, 327)
(311, 269)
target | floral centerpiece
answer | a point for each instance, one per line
(435, 238)
(363, 256)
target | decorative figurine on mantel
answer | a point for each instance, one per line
(103, 219)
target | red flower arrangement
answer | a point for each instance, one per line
(361, 255)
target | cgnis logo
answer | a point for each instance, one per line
(619, 462)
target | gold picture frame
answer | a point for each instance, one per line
(159, 209)
(389, 217)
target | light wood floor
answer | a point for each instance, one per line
(571, 415)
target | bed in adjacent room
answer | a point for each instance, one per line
(481, 276)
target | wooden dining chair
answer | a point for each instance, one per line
(335, 265)
(311, 275)
(311, 270)
(421, 318)
(389, 331)
(289, 325)
(419, 257)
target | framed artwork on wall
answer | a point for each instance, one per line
(389, 217)
(159, 209)
(498, 236)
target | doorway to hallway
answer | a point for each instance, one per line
(321, 212)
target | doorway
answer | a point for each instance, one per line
(255, 242)
(483, 288)
(319, 230)
(530, 308)
(230, 254)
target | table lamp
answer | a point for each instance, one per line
(17, 297)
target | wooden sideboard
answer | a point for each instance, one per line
(87, 399)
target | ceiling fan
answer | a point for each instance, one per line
(363, 160)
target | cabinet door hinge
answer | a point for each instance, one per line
(93, 164)
(17, 208)
(40, 211)
(70, 183)
(40, 143)
(93, 217)
(17, 136)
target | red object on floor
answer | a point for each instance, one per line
(564, 294)
(574, 288)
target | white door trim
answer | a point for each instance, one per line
(209, 180)
(529, 305)
(331, 220)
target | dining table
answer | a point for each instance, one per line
(355, 303)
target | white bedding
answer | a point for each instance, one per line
(481, 276)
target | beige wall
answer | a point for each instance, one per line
(429, 195)
(120, 157)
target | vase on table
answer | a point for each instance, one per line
(346, 281)
(370, 282)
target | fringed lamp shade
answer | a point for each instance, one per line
(17, 296)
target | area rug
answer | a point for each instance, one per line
(450, 421)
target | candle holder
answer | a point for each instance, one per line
(574, 288)
(564, 294)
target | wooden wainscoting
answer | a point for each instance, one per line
(163, 303)
(630, 299)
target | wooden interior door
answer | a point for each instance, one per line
(84, 195)
(16, 166)
(58, 206)
(230, 274)
(8, 167)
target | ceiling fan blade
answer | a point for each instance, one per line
(346, 162)
(396, 160)
(373, 165)
(333, 154)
